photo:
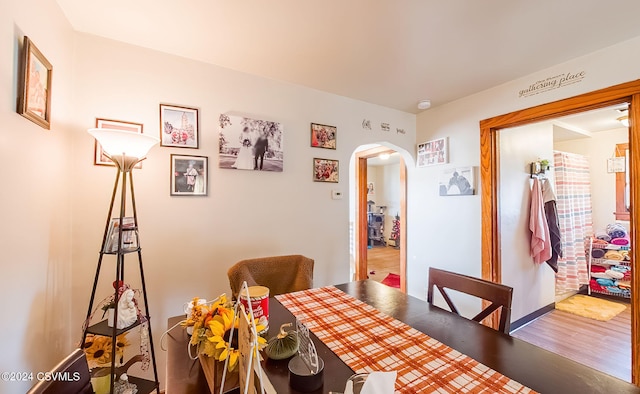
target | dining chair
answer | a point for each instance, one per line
(498, 295)
(281, 274)
(77, 379)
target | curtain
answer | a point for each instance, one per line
(573, 193)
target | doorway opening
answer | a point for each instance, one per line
(378, 212)
(577, 184)
(489, 145)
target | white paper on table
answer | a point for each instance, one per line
(349, 387)
(380, 383)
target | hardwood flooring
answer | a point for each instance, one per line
(605, 346)
(382, 260)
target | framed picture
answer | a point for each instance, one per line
(35, 81)
(250, 144)
(323, 136)
(459, 181)
(129, 237)
(178, 126)
(325, 170)
(433, 152)
(99, 157)
(189, 175)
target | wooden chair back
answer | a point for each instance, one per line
(498, 295)
(76, 381)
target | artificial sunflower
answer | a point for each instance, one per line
(212, 327)
(98, 349)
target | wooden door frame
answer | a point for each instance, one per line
(361, 229)
(491, 261)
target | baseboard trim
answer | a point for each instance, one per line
(532, 316)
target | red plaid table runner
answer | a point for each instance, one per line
(368, 340)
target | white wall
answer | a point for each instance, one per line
(387, 192)
(55, 199)
(454, 224)
(533, 284)
(598, 148)
(190, 242)
(35, 237)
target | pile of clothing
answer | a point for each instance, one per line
(610, 262)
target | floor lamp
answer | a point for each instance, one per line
(125, 149)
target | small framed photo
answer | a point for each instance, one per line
(99, 157)
(325, 170)
(433, 152)
(178, 126)
(323, 136)
(460, 181)
(35, 81)
(189, 175)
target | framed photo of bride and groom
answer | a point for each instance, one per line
(250, 144)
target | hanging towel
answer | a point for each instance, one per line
(540, 239)
(551, 214)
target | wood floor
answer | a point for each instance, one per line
(382, 260)
(605, 346)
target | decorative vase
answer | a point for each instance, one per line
(213, 370)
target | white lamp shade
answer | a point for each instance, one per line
(119, 142)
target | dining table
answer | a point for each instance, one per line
(525, 366)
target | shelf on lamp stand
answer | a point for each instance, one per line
(124, 165)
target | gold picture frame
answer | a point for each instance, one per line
(323, 136)
(325, 170)
(35, 82)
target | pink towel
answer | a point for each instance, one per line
(540, 239)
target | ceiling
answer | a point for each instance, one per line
(390, 53)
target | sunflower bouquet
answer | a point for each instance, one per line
(212, 323)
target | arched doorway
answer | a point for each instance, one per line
(360, 208)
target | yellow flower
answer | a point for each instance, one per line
(98, 349)
(211, 330)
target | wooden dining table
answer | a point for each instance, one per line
(532, 366)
